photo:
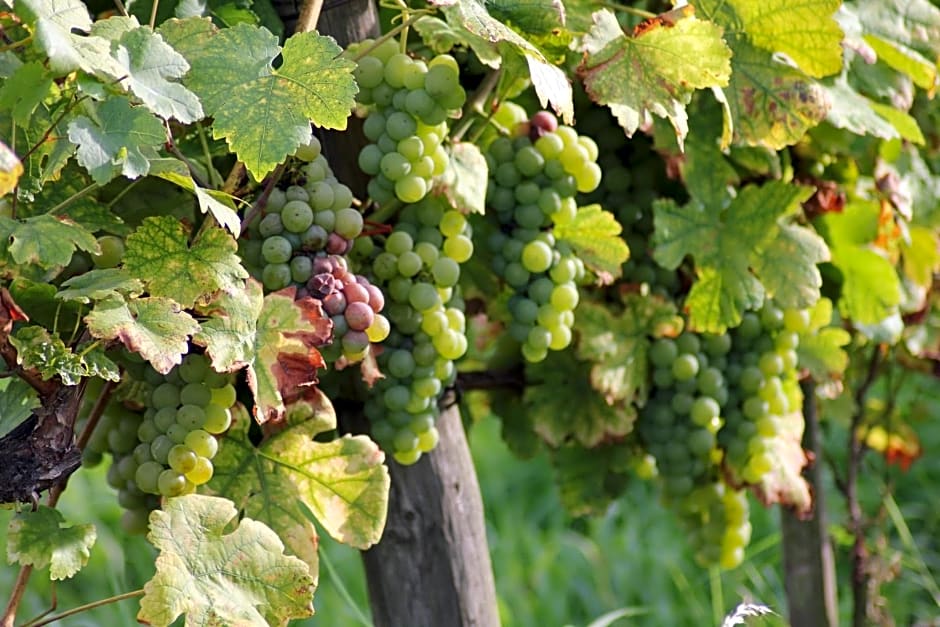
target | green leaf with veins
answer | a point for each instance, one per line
(46, 241)
(771, 102)
(46, 137)
(264, 114)
(228, 334)
(43, 538)
(24, 91)
(854, 112)
(155, 327)
(119, 141)
(100, 284)
(638, 76)
(492, 41)
(344, 482)
(152, 70)
(616, 344)
(594, 235)
(159, 254)
(57, 27)
(215, 577)
(18, 399)
(906, 35)
(216, 203)
(39, 350)
(564, 404)
(798, 250)
(726, 245)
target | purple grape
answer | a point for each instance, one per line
(359, 316)
(376, 298)
(335, 303)
(322, 285)
(335, 244)
(355, 342)
(355, 293)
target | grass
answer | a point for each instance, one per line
(630, 566)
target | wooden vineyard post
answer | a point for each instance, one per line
(432, 567)
(809, 566)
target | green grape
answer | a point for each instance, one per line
(181, 458)
(112, 252)
(201, 472)
(218, 419)
(276, 250)
(685, 367)
(165, 395)
(296, 216)
(195, 394)
(190, 417)
(147, 476)
(171, 483)
(194, 368)
(202, 443)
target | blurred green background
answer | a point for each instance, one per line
(551, 569)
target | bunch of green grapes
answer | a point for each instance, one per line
(717, 519)
(678, 425)
(534, 176)
(764, 389)
(419, 267)
(167, 450)
(408, 102)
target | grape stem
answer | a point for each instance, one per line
(490, 379)
(262, 200)
(68, 201)
(383, 213)
(17, 44)
(153, 13)
(414, 17)
(309, 16)
(120, 7)
(214, 175)
(631, 10)
(85, 608)
(474, 105)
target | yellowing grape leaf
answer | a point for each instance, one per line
(10, 169)
(655, 72)
(39, 350)
(820, 350)
(465, 188)
(43, 538)
(727, 245)
(616, 344)
(284, 359)
(59, 30)
(493, 40)
(212, 577)
(46, 241)
(159, 254)
(563, 403)
(594, 234)
(773, 101)
(264, 113)
(155, 327)
(120, 140)
(344, 483)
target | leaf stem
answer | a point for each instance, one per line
(386, 211)
(214, 175)
(414, 17)
(233, 178)
(121, 8)
(153, 13)
(123, 192)
(82, 192)
(646, 15)
(17, 44)
(16, 595)
(342, 591)
(173, 150)
(474, 105)
(86, 607)
(65, 111)
(262, 200)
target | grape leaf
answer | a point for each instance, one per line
(216, 578)
(905, 34)
(564, 405)
(854, 112)
(771, 102)
(441, 37)
(820, 349)
(465, 188)
(46, 139)
(158, 253)
(640, 75)
(99, 284)
(46, 241)
(799, 250)
(10, 169)
(727, 244)
(155, 327)
(344, 482)
(151, 68)
(39, 350)
(43, 538)
(264, 114)
(284, 359)
(921, 256)
(594, 234)
(22, 92)
(229, 333)
(485, 34)
(784, 482)
(617, 343)
(58, 30)
(18, 399)
(118, 141)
